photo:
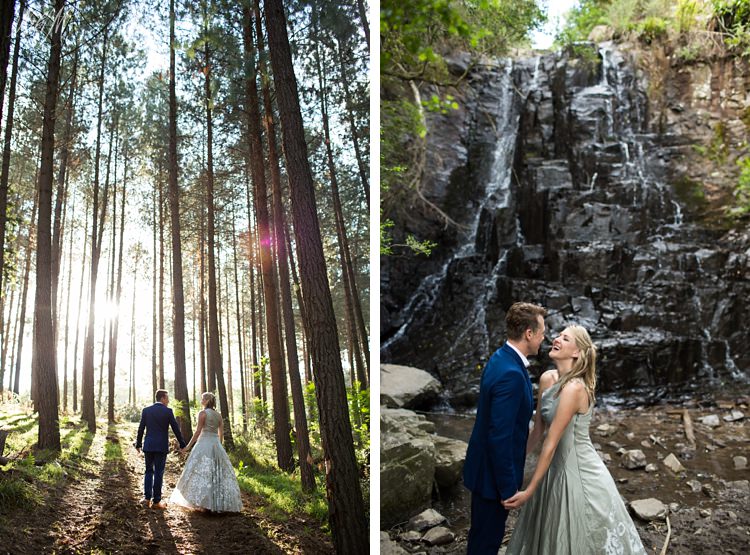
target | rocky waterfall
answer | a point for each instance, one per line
(575, 182)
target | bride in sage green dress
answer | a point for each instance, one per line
(208, 481)
(571, 505)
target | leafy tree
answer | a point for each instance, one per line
(416, 38)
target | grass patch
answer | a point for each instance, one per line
(17, 493)
(51, 473)
(112, 451)
(257, 473)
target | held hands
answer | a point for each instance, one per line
(517, 500)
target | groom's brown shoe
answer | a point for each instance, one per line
(160, 505)
(145, 503)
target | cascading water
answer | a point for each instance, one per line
(496, 196)
(572, 207)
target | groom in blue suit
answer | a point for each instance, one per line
(156, 421)
(493, 469)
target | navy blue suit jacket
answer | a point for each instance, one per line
(495, 458)
(156, 420)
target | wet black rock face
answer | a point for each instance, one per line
(569, 193)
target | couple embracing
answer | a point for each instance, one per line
(571, 504)
(207, 482)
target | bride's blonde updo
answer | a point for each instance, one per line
(210, 400)
(584, 367)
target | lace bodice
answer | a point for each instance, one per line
(213, 420)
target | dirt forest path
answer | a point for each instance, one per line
(99, 513)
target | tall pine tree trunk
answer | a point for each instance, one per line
(161, 282)
(346, 507)
(6, 19)
(214, 348)
(118, 294)
(349, 110)
(67, 314)
(24, 295)
(44, 328)
(230, 393)
(255, 373)
(88, 412)
(278, 383)
(300, 303)
(298, 398)
(5, 326)
(107, 328)
(80, 312)
(62, 193)
(178, 294)
(363, 19)
(348, 275)
(239, 326)
(154, 336)
(202, 323)
(131, 385)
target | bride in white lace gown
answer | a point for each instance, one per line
(208, 480)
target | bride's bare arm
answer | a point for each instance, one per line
(546, 380)
(198, 430)
(573, 398)
(221, 430)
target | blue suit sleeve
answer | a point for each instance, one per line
(505, 401)
(176, 429)
(141, 428)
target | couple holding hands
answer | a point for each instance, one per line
(571, 504)
(207, 482)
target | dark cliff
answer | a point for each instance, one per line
(596, 186)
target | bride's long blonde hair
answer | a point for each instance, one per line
(584, 367)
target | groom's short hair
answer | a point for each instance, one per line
(160, 394)
(522, 316)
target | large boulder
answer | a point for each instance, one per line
(407, 465)
(407, 387)
(449, 460)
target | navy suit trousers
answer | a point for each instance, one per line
(488, 518)
(155, 462)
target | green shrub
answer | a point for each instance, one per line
(651, 29)
(742, 189)
(732, 17)
(687, 15)
(689, 53)
(622, 15)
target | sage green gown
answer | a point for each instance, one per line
(208, 480)
(576, 509)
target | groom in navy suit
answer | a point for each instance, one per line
(493, 469)
(156, 420)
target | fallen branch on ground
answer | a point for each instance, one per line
(688, 423)
(666, 541)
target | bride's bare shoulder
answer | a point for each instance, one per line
(548, 379)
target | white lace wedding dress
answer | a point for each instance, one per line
(208, 479)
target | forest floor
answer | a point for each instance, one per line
(91, 506)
